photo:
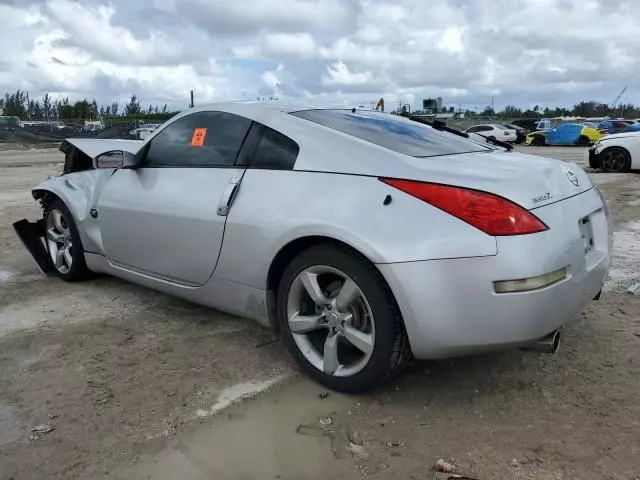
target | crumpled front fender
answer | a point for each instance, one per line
(79, 192)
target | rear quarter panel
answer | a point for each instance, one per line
(274, 208)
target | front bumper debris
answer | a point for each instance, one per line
(31, 234)
(593, 158)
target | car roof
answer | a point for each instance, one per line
(262, 111)
(258, 107)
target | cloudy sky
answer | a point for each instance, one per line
(527, 52)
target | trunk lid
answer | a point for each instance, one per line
(530, 181)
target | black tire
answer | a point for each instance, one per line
(615, 160)
(538, 141)
(391, 347)
(491, 140)
(583, 141)
(78, 269)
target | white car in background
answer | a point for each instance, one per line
(616, 153)
(144, 131)
(488, 132)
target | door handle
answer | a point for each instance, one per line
(227, 197)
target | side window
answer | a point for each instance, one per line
(275, 151)
(486, 128)
(203, 139)
(472, 129)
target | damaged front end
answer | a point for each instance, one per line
(32, 234)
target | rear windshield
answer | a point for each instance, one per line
(395, 133)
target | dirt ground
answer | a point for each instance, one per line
(136, 384)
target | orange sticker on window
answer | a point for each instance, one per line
(198, 137)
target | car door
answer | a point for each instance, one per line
(166, 218)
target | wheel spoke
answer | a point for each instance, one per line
(57, 221)
(362, 341)
(311, 285)
(59, 257)
(68, 258)
(330, 362)
(348, 293)
(54, 236)
(305, 323)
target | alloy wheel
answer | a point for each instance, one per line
(614, 161)
(59, 242)
(331, 321)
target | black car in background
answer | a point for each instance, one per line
(521, 132)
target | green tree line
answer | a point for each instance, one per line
(582, 109)
(19, 104)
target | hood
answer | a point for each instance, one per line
(95, 146)
(620, 135)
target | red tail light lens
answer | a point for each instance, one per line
(490, 213)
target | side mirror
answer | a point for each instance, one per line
(115, 159)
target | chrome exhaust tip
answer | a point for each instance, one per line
(548, 344)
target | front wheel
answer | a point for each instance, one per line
(339, 319)
(537, 141)
(63, 243)
(615, 160)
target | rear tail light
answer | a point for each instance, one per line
(490, 213)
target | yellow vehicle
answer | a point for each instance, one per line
(566, 134)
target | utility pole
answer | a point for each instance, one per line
(191, 103)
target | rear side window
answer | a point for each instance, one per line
(202, 139)
(275, 151)
(393, 132)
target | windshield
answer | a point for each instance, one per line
(393, 132)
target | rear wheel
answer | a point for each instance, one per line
(339, 319)
(63, 243)
(538, 141)
(583, 141)
(615, 160)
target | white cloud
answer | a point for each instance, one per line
(519, 51)
(296, 44)
(338, 74)
(451, 41)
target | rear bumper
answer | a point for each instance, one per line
(450, 307)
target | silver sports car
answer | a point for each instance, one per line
(364, 238)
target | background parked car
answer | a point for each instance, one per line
(521, 132)
(616, 153)
(619, 126)
(567, 134)
(492, 132)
